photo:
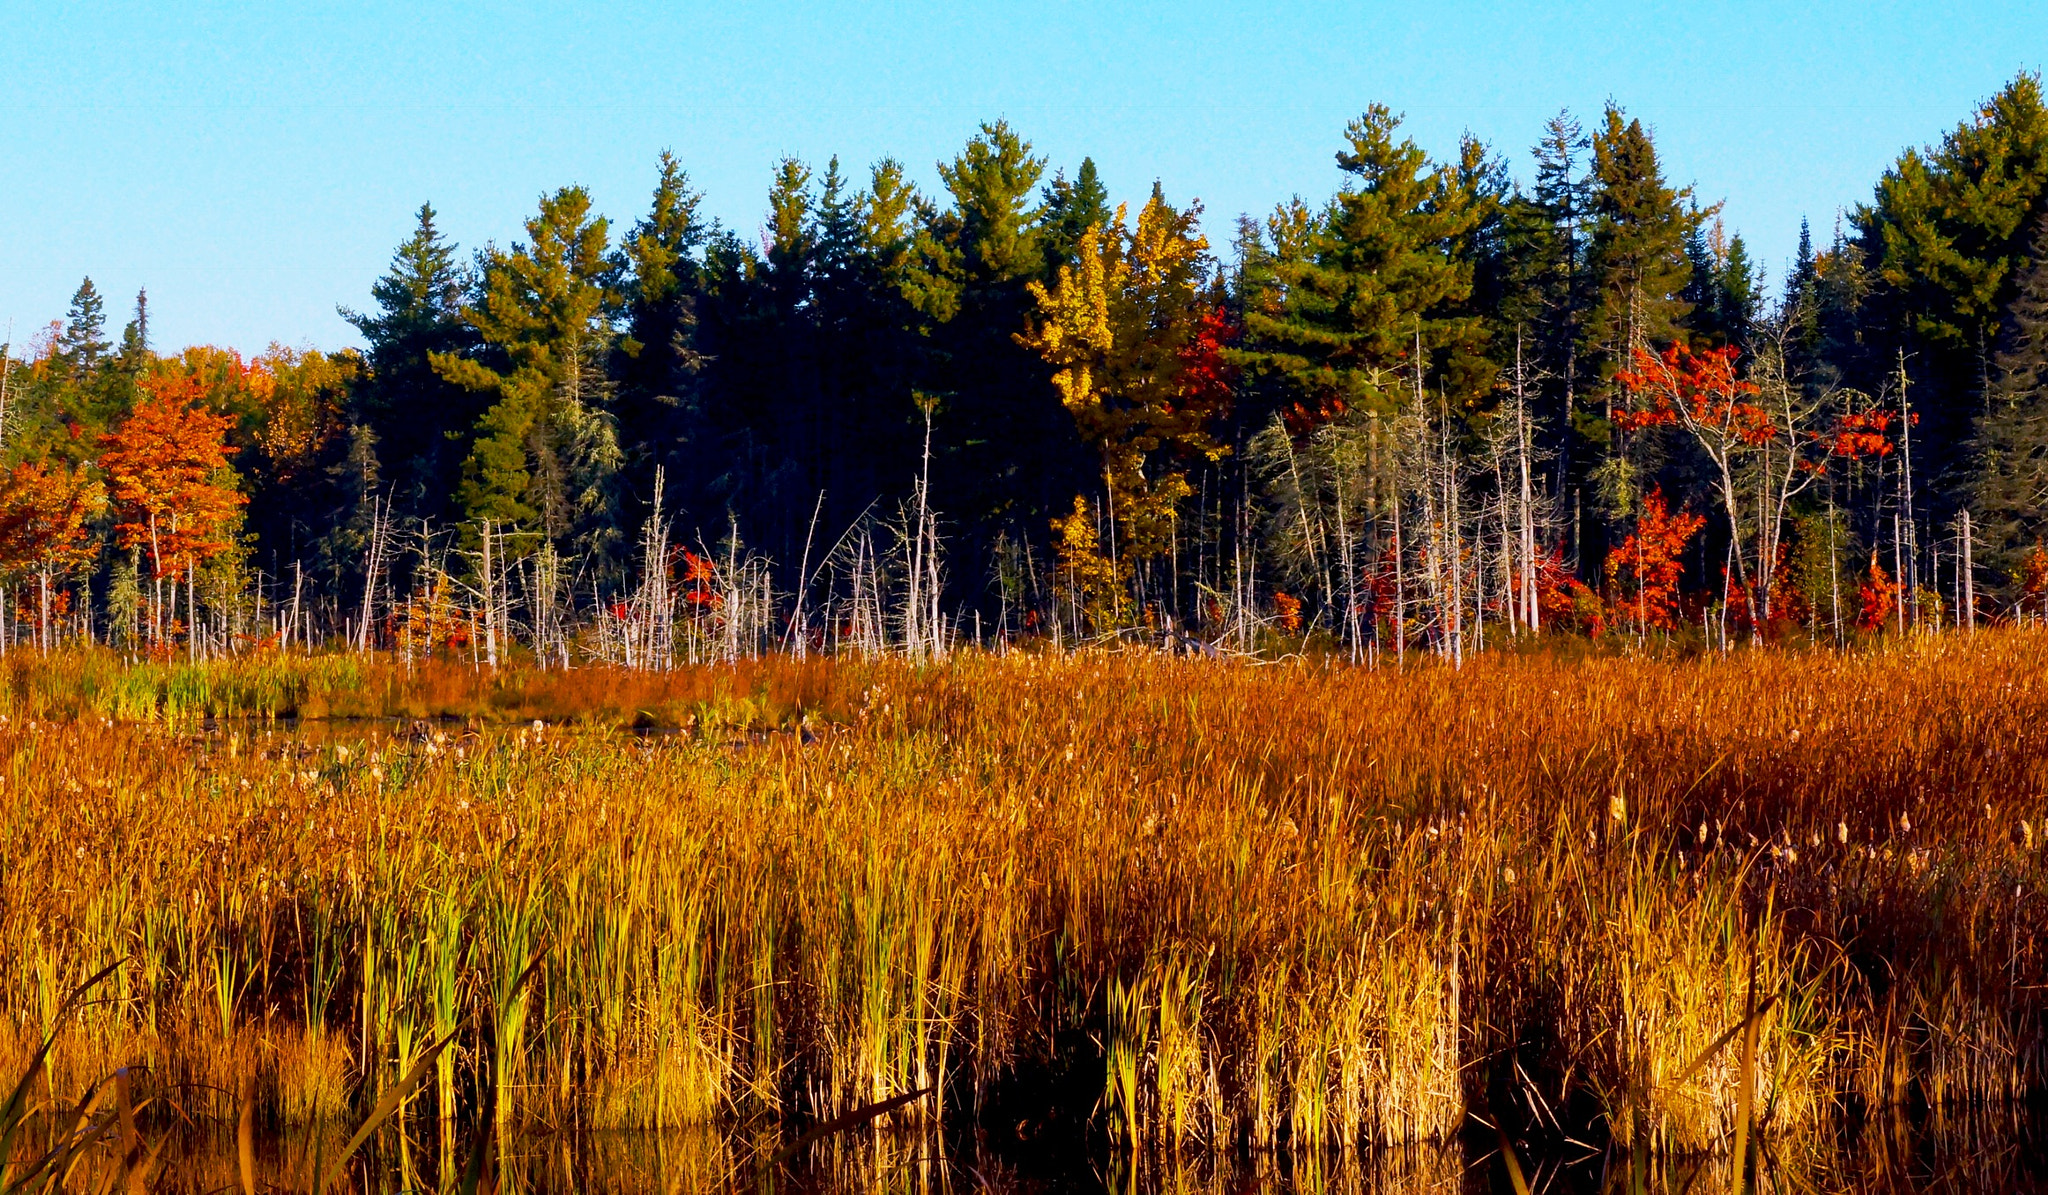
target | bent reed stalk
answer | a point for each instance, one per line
(1292, 904)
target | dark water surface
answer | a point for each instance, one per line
(2000, 1151)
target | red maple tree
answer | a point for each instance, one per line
(1877, 599)
(1767, 443)
(1643, 574)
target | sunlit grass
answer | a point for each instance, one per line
(1243, 904)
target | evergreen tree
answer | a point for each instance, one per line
(1070, 210)
(2009, 488)
(83, 342)
(415, 416)
(1546, 299)
(1636, 253)
(1639, 275)
(545, 453)
(1942, 239)
(135, 336)
(1546, 247)
(1387, 263)
(1008, 455)
(871, 342)
(1841, 286)
(1725, 291)
(1801, 280)
(659, 408)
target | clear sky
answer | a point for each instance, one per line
(253, 165)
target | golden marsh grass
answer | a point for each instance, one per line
(1228, 905)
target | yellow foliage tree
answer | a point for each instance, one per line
(1135, 343)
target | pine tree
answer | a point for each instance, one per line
(545, 452)
(1007, 455)
(1636, 251)
(83, 341)
(1386, 264)
(1942, 238)
(2009, 487)
(416, 417)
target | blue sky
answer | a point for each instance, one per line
(253, 165)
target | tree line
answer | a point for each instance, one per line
(1438, 407)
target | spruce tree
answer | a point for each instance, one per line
(416, 417)
(1738, 292)
(2008, 492)
(1545, 244)
(871, 342)
(659, 407)
(1546, 300)
(1725, 290)
(135, 337)
(1386, 265)
(1942, 238)
(1071, 209)
(545, 454)
(83, 341)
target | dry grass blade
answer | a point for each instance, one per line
(1514, 1164)
(73, 1134)
(387, 1106)
(16, 1112)
(245, 1133)
(1746, 1024)
(1745, 1091)
(845, 1121)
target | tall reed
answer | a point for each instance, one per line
(1260, 905)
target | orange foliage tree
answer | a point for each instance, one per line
(46, 514)
(2033, 579)
(1644, 572)
(173, 489)
(1877, 599)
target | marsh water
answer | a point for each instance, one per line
(2000, 1151)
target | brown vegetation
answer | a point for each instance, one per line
(1233, 904)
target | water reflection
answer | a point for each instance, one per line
(1999, 1152)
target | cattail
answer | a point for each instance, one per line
(1617, 809)
(1842, 833)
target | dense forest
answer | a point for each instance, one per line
(1440, 409)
